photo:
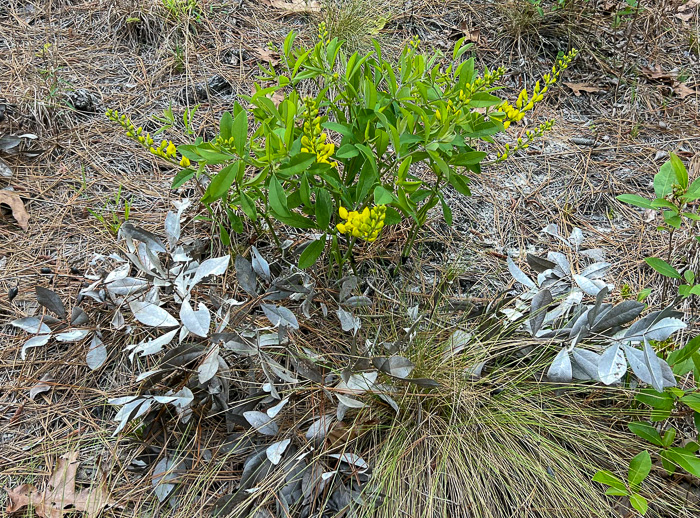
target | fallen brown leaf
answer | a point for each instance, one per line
(278, 97)
(296, 6)
(682, 90)
(59, 493)
(471, 35)
(688, 6)
(577, 88)
(658, 73)
(15, 203)
(269, 56)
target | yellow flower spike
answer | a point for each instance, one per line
(171, 150)
(185, 162)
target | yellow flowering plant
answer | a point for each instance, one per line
(344, 161)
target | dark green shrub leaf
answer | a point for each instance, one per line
(220, 184)
(662, 267)
(311, 253)
(639, 503)
(605, 477)
(640, 466)
(635, 200)
(664, 180)
(382, 196)
(646, 432)
(685, 459)
(692, 400)
(679, 170)
(686, 352)
(181, 177)
(226, 126)
(324, 209)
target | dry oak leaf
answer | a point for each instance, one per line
(18, 211)
(657, 73)
(296, 6)
(682, 90)
(577, 88)
(59, 493)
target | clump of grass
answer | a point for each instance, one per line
(504, 445)
(355, 21)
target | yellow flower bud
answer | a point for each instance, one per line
(185, 162)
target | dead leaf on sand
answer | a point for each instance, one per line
(59, 493)
(15, 203)
(682, 90)
(295, 6)
(657, 73)
(470, 34)
(577, 88)
(687, 10)
(268, 56)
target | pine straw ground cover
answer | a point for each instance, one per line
(503, 445)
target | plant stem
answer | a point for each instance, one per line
(668, 260)
(272, 231)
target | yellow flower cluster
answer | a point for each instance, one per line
(466, 93)
(166, 149)
(524, 143)
(366, 224)
(323, 35)
(525, 103)
(314, 139)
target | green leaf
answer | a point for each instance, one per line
(294, 220)
(221, 183)
(297, 164)
(635, 200)
(226, 126)
(311, 253)
(668, 437)
(239, 132)
(343, 129)
(646, 432)
(446, 211)
(660, 203)
(248, 206)
(277, 197)
(686, 352)
(612, 491)
(672, 218)
(324, 209)
(484, 100)
(679, 170)
(692, 400)
(662, 267)
(605, 477)
(347, 151)
(223, 235)
(657, 400)
(639, 503)
(469, 158)
(640, 466)
(693, 192)
(182, 177)
(460, 183)
(664, 180)
(382, 196)
(685, 459)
